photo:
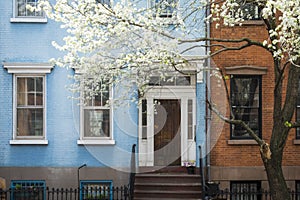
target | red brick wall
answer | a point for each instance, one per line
(224, 154)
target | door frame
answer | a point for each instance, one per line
(188, 145)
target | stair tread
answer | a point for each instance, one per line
(146, 198)
(168, 184)
(168, 175)
(166, 192)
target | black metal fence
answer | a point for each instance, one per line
(248, 195)
(99, 193)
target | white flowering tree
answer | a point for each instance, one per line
(131, 40)
(122, 40)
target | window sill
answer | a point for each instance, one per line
(242, 142)
(296, 142)
(28, 20)
(96, 142)
(252, 23)
(29, 142)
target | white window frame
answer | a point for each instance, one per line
(28, 70)
(28, 19)
(97, 140)
(152, 5)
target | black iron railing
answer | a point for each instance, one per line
(99, 193)
(132, 172)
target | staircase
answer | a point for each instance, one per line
(167, 186)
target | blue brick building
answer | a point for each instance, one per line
(41, 127)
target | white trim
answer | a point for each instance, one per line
(28, 68)
(182, 93)
(30, 140)
(36, 142)
(28, 20)
(96, 142)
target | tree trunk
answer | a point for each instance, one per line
(278, 187)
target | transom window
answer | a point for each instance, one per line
(170, 81)
(30, 107)
(246, 104)
(24, 189)
(22, 10)
(245, 190)
(96, 113)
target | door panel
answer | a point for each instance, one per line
(167, 141)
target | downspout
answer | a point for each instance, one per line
(207, 78)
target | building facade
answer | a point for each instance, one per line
(235, 157)
(48, 139)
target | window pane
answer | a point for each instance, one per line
(165, 8)
(22, 10)
(245, 190)
(30, 122)
(96, 190)
(28, 190)
(96, 123)
(21, 94)
(245, 100)
(144, 119)
(190, 119)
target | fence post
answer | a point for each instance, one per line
(132, 173)
(202, 173)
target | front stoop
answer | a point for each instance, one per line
(167, 186)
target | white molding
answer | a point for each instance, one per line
(28, 20)
(96, 142)
(18, 138)
(30, 142)
(28, 68)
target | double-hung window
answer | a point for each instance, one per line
(96, 116)
(246, 104)
(29, 102)
(30, 107)
(23, 11)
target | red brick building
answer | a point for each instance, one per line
(235, 159)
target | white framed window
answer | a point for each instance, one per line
(96, 116)
(29, 102)
(22, 12)
(29, 106)
(164, 8)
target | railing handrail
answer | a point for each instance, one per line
(132, 172)
(202, 173)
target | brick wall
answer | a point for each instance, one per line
(224, 154)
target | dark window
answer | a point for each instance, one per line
(249, 10)
(95, 190)
(28, 190)
(297, 190)
(144, 119)
(245, 190)
(298, 112)
(246, 104)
